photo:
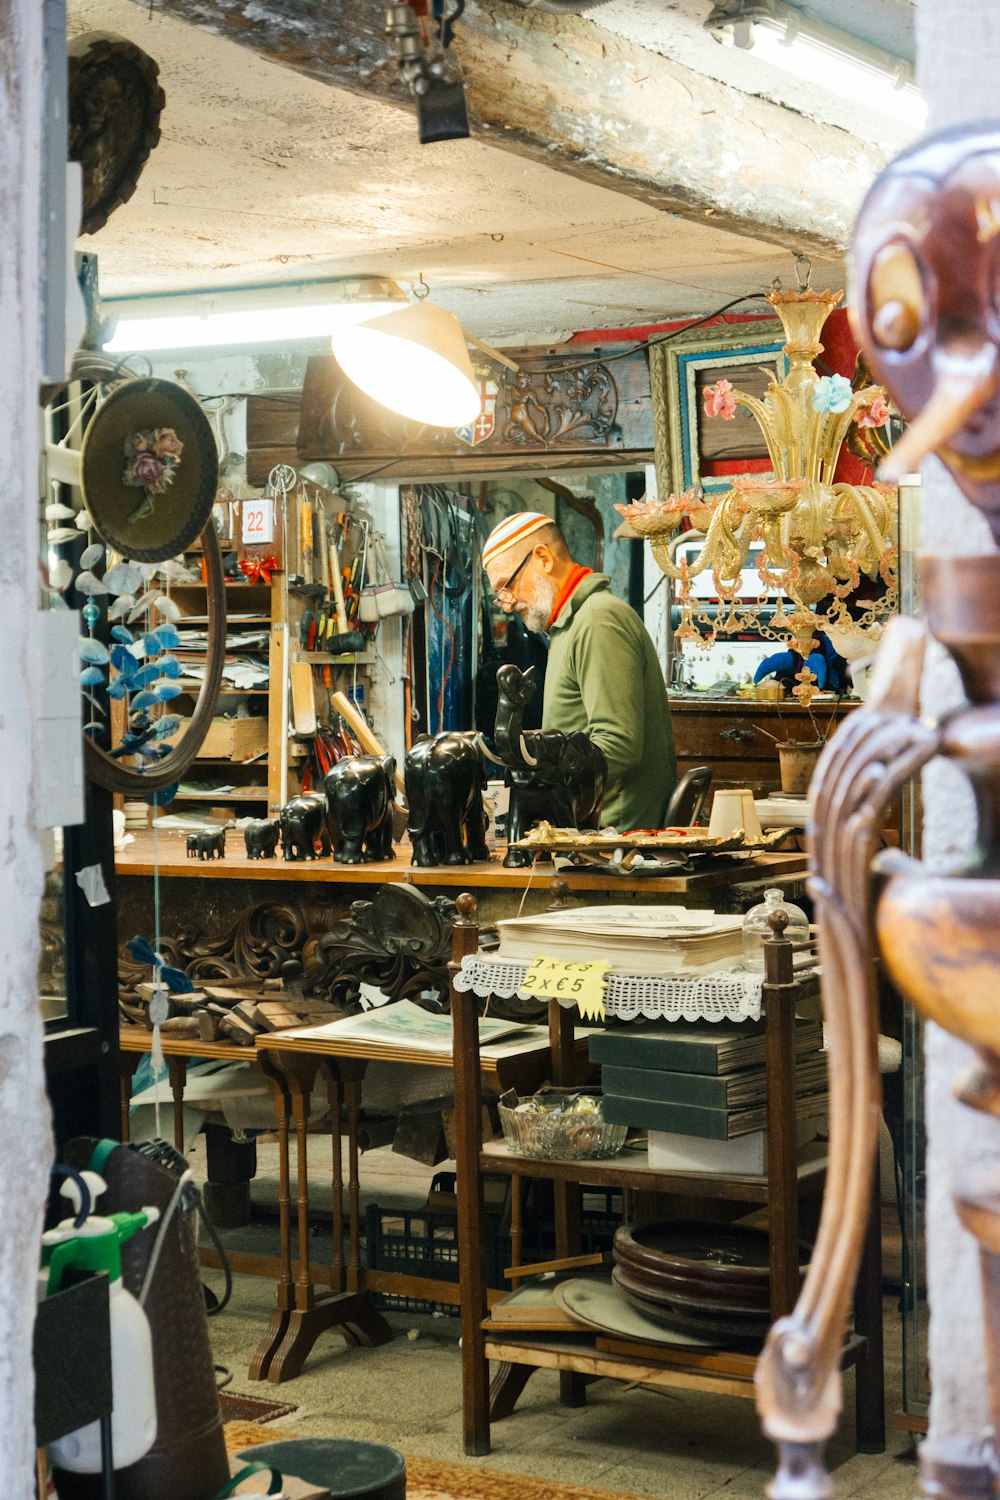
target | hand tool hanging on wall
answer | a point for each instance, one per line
(345, 641)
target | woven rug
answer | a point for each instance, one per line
(249, 1410)
(429, 1479)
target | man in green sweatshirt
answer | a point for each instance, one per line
(603, 676)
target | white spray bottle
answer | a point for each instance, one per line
(95, 1245)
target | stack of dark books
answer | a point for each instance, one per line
(700, 1089)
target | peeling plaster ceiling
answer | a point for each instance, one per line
(264, 175)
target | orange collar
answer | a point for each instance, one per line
(571, 582)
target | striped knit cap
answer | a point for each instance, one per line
(511, 531)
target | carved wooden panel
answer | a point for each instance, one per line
(398, 941)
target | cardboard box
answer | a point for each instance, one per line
(230, 739)
(744, 1155)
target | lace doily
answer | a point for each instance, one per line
(726, 995)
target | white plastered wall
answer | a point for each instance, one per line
(24, 1117)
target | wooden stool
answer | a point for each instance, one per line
(351, 1470)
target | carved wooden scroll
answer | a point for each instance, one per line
(398, 941)
(874, 752)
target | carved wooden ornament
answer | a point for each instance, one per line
(875, 751)
(925, 302)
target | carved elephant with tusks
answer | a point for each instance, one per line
(444, 779)
(553, 776)
(359, 795)
(303, 824)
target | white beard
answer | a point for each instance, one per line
(536, 613)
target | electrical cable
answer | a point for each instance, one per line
(653, 341)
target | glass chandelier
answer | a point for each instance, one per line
(819, 537)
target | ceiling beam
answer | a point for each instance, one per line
(565, 91)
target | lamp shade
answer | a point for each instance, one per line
(415, 362)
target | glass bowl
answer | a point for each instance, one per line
(570, 1133)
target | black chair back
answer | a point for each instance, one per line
(688, 798)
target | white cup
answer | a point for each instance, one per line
(733, 812)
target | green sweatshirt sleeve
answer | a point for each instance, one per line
(608, 668)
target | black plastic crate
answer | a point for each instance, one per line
(418, 1242)
(424, 1242)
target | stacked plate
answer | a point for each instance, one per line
(697, 1278)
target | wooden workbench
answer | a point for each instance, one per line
(164, 854)
(327, 925)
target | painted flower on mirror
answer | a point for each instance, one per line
(719, 400)
(166, 442)
(875, 414)
(832, 393)
(151, 459)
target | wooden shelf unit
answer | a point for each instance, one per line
(247, 606)
(591, 1354)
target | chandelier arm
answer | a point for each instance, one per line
(762, 417)
(839, 428)
(660, 548)
(783, 411)
(863, 510)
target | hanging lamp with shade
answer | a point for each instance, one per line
(415, 361)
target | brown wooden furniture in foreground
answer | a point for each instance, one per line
(589, 1354)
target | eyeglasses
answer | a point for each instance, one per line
(504, 596)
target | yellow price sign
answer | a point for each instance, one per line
(579, 984)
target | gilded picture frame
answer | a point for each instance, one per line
(745, 354)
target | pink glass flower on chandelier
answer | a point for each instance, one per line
(719, 400)
(875, 414)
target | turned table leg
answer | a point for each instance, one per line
(284, 1291)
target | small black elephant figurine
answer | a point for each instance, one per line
(359, 795)
(553, 776)
(444, 779)
(260, 835)
(303, 823)
(207, 843)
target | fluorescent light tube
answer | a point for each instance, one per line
(817, 61)
(816, 54)
(248, 315)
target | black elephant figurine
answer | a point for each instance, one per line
(207, 843)
(260, 835)
(444, 779)
(359, 795)
(303, 824)
(553, 776)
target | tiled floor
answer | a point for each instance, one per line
(676, 1444)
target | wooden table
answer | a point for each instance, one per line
(291, 1064)
(267, 918)
(164, 854)
(302, 1313)
(133, 1041)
